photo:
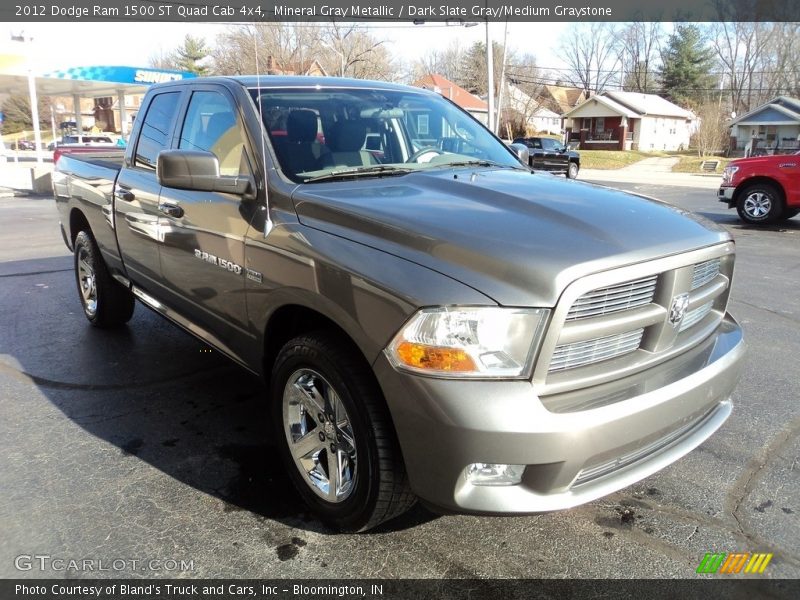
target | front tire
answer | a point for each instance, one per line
(105, 302)
(572, 170)
(760, 204)
(335, 435)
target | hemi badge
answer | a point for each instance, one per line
(253, 275)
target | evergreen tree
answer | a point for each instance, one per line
(191, 54)
(686, 66)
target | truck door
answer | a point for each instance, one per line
(202, 250)
(554, 158)
(137, 191)
(537, 154)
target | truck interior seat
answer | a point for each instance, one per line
(347, 141)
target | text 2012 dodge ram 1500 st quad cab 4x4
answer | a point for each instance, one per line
(764, 189)
(434, 319)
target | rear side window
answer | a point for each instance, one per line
(155, 128)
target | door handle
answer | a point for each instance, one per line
(123, 194)
(171, 210)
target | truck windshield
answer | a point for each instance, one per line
(323, 134)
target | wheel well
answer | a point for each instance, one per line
(758, 180)
(77, 223)
(292, 320)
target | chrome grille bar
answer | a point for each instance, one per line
(622, 296)
(569, 356)
(695, 316)
(704, 273)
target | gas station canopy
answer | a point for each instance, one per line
(87, 82)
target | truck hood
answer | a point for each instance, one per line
(754, 162)
(517, 237)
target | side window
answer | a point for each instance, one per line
(155, 128)
(211, 125)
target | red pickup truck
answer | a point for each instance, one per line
(764, 189)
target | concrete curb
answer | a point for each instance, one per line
(652, 178)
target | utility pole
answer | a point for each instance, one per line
(489, 76)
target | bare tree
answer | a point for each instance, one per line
(741, 48)
(358, 53)
(590, 51)
(446, 63)
(779, 69)
(711, 136)
(640, 46)
(281, 44)
(162, 60)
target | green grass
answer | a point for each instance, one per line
(691, 164)
(613, 159)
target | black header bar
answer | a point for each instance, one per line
(455, 11)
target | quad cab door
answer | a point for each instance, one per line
(202, 249)
(555, 158)
(137, 192)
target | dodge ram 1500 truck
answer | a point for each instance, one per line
(434, 319)
(764, 189)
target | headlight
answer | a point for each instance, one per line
(727, 173)
(469, 341)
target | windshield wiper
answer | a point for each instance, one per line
(374, 171)
(477, 163)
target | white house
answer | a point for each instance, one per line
(630, 121)
(775, 125)
(537, 117)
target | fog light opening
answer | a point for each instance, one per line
(494, 474)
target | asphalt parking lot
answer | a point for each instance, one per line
(142, 445)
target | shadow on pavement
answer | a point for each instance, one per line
(153, 392)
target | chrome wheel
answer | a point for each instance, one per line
(757, 205)
(320, 435)
(87, 282)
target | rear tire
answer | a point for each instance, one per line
(760, 204)
(106, 303)
(336, 438)
(572, 170)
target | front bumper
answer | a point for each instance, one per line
(725, 194)
(651, 419)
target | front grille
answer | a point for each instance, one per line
(627, 319)
(704, 273)
(579, 354)
(695, 316)
(599, 470)
(622, 296)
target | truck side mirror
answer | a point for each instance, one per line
(198, 170)
(521, 152)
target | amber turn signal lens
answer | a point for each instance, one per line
(435, 358)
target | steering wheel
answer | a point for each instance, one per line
(415, 158)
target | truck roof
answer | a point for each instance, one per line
(295, 81)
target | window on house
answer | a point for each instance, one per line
(600, 124)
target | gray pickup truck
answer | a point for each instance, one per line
(434, 320)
